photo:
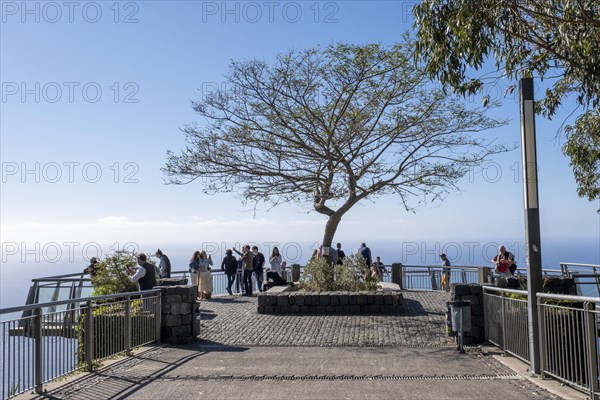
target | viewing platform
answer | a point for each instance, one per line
(244, 355)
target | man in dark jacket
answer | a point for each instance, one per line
(258, 263)
(164, 264)
(229, 265)
(145, 275)
(247, 258)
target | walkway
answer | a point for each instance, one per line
(248, 356)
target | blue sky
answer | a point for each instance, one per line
(113, 96)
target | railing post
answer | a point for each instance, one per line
(503, 322)
(483, 275)
(542, 335)
(433, 280)
(39, 371)
(464, 276)
(158, 315)
(88, 346)
(127, 330)
(592, 345)
(397, 274)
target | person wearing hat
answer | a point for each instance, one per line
(445, 272)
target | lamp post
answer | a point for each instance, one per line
(532, 218)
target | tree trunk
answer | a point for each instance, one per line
(330, 229)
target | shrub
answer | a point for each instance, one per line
(353, 275)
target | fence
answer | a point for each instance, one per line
(53, 339)
(569, 340)
(568, 327)
(506, 320)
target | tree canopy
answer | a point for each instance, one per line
(558, 40)
(331, 127)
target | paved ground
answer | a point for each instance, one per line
(247, 356)
(234, 321)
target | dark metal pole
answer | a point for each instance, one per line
(532, 218)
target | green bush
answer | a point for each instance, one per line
(112, 275)
(353, 276)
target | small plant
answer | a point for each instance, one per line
(317, 276)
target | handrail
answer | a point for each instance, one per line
(56, 277)
(580, 265)
(583, 299)
(79, 300)
(504, 290)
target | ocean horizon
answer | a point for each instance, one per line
(17, 270)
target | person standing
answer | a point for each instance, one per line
(247, 258)
(206, 285)
(340, 253)
(380, 267)
(446, 272)
(364, 251)
(229, 265)
(93, 268)
(275, 260)
(145, 275)
(164, 264)
(194, 268)
(258, 263)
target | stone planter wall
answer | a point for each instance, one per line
(287, 302)
(473, 293)
(178, 317)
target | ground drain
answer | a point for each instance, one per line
(461, 377)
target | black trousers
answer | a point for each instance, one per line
(230, 280)
(248, 282)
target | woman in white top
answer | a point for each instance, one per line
(275, 261)
(206, 286)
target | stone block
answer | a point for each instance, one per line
(271, 299)
(269, 309)
(304, 309)
(291, 298)
(385, 308)
(476, 289)
(460, 289)
(299, 299)
(389, 298)
(313, 299)
(295, 309)
(284, 309)
(283, 300)
(180, 308)
(354, 309)
(352, 299)
(324, 299)
(364, 308)
(186, 319)
(374, 308)
(361, 299)
(334, 299)
(173, 299)
(261, 309)
(346, 309)
(476, 310)
(378, 298)
(330, 309)
(472, 298)
(319, 309)
(173, 320)
(343, 298)
(165, 308)
(262, 299)
(185, 330)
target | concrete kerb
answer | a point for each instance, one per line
(522, 368)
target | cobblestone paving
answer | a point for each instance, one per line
(234, 321)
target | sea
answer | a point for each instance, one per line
(17, 270)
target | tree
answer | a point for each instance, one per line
(331, 128)
(558, 40)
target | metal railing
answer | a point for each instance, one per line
(506, 320)
(430, 277)
(53, 341)
(569, 340)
